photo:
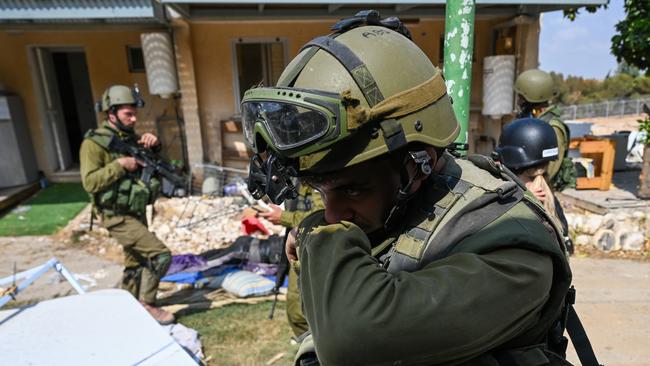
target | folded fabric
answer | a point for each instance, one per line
(263, 269)
(183, 277)
(245, 284)
(186, 263)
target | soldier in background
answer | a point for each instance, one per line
(120, 197)
(307, 202)
(528, 147)
(536, 90)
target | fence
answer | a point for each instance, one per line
(213, 179)
(610, 108)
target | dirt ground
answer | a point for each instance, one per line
(613, 302)
(31, 251)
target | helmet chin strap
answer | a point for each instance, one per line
(120, 125)
(402, 197)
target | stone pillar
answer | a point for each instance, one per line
(528, 44)
(187, 84)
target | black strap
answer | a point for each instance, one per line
(580, 340)
(353, 64)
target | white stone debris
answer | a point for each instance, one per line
(197, 224)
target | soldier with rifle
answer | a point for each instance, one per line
(307, 202)
(122, 179)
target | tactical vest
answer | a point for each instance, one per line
(462, 200)
(566, 175)
(126, 196)
(304, 201)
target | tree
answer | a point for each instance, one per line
(631, 43)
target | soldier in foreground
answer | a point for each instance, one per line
(419, 257)
(536, 90)
(120, 197)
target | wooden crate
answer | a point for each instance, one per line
(602, 151)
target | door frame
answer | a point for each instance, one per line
(235, 68)
(52, 141)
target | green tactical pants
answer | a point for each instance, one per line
(296, 318)
(146, 258)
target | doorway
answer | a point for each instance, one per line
(257, 62)
(67, 104)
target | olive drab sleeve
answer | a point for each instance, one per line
(450, 311)
(294, 218)
(98, 170)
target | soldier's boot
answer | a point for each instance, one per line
(149, 281)
(162, 316)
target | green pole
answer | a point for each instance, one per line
(459, 49)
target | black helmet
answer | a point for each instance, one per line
(527, 142)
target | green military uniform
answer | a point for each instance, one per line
(561, 172)
(307, 202)
(456, 308)
(121, 198)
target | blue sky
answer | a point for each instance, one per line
(580, 47)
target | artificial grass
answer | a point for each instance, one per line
(47, 211)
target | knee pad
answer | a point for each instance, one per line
(160, 263)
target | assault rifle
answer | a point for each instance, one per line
(172, 184)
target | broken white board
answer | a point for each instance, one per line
(107, 327)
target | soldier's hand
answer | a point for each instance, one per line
(128, 162)
(290, 246)
(148, 140)
(273, 215)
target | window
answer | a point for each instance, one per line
(257, 63)
(135, 58)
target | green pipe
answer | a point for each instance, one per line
(459, 51)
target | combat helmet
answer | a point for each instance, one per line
(535, 86)
(116, 95)
(363, 91)
(527, 142)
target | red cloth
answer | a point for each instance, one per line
(250, 225)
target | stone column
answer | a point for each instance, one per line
(187, 84)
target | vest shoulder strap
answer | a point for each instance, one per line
(460, 209)
(101, 136)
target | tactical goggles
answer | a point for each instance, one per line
(292, 118)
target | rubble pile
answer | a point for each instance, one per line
(610, 232)
(197, 224)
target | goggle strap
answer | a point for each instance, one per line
(353, 64)
(293, 73)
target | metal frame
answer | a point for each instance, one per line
(32, 275)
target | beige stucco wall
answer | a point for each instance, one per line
(107, 64)
(213, 61)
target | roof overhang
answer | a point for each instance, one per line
(121, 12)
(294, 9)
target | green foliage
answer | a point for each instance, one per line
(46, 212)
(644, 126)
(631, 43)
(571, 13)
(622, 85)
